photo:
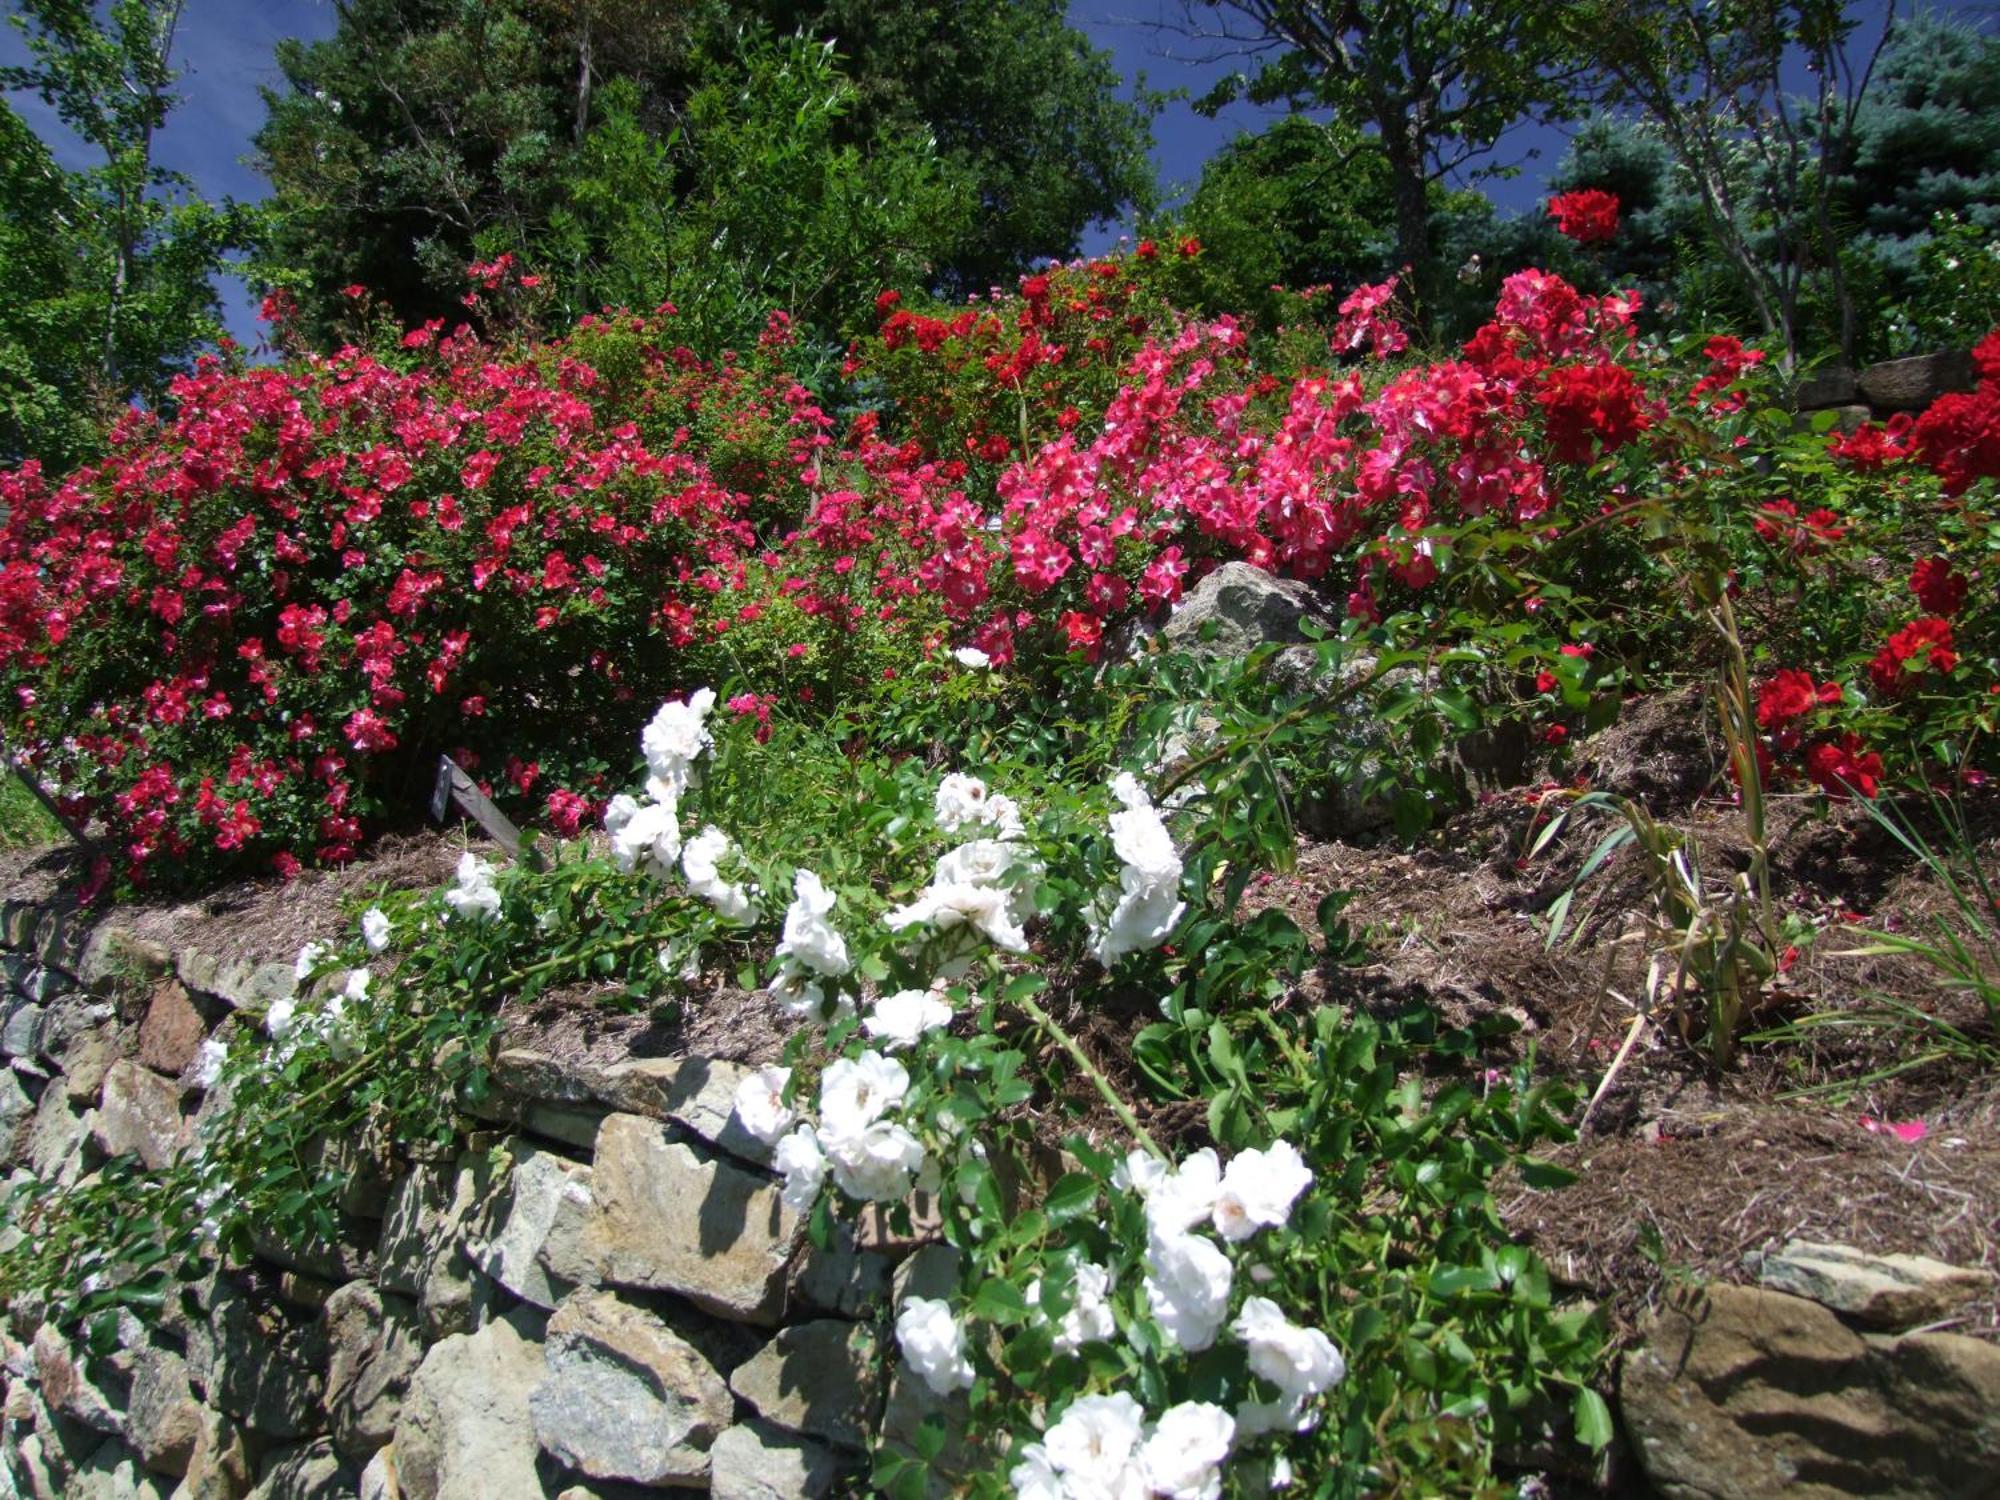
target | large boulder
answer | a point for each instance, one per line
(1739, 1393)
(139, 1112)
(1246, 608)
(664, 1218)
(625, 1398)
(465, 1432)
(519, 1221)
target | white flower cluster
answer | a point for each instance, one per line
(977, 886)
(870, 1156)
(1189, 1278)
(933, 1342)
(811, 948)
(1089, 1317)
(648, 834)
(1143, 907)
(473, 895)
(289, 1028)
(1103, 1448)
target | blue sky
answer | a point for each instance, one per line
(224, 52)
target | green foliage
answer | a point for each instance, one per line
(1437, 83)
(107, 294)
(947, 147)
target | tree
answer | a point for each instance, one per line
(1437, 81)
(1304, 203)
(754, 205)
(1712, 75)
(1926, 140)
(108, 292)
(425, 132)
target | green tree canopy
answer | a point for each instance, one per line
(107, 292)
(424, 133)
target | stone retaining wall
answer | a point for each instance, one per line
(1880, 391)
(601, 1295)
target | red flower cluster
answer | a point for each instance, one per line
(1919, 645)
(1589, 216)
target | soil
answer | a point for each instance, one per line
(1686, 1169)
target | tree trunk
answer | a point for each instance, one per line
(1407, 187)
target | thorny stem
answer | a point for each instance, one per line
(1091, 1071)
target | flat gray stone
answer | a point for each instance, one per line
(258, 1365)
(20, 1022)
(237, 983)
(312, 1471)
(665, 1219)
(756, 1461)
(87, 1392)
(465, 1432)
(164, 1419)
(1914, 383)
(508, 1250)
(139, 1112)
(823, 1379)
(374, 1349)
(1882, 1291)
(625, 1398)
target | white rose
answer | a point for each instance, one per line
(1187, 1286)
(375, 929)
(649, 835)
(1089, 1317)
(1095, 1447)
(1142, 842)
(1185, 1196)
(802, 1161)
(1184, 1453)
(208, 1060)
(674, 739)
(700, 861)
(878, 1164)
(809, 938)
(960, 803)
(898, 1020)
(309, 958)
(760, 1104)
(473, 896)
(1034, 1478)
(972, 657)
(1259, 1189)
(934, 1344)
(983, 908)
(855, 1092)
(1301, 1362)
(281, 1018)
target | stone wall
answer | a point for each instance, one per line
(602, 1294)
(1880, 391)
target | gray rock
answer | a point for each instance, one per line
(1248, 608)
(337, 1261)
(164, 1419)
(139, 1112)
(932, 1272)
(911, 1403)
(1830, 385)
(842, 1279)
(755, 1461)
(667, 1220)
(236, 983)
(465, 1432)
(90, 1393)
(312, 1471)
(66, 1018)
(258, 1365)
(374, 1349)
(219, 1468)
(1881, 1291)
(519, 1223)
(1739, 1393)
(411, 1224)
(378, 1480)
(1914, 383)
(625, 1398)
(86, 1060)
(16, 1102)
(112, 958)
(20, 1023)
(821, 1378)
(111, 1473)
(566, 1099)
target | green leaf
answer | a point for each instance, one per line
(1593, 1419)
(1073, 1194)
(1545, 1174)
(999, 1301)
